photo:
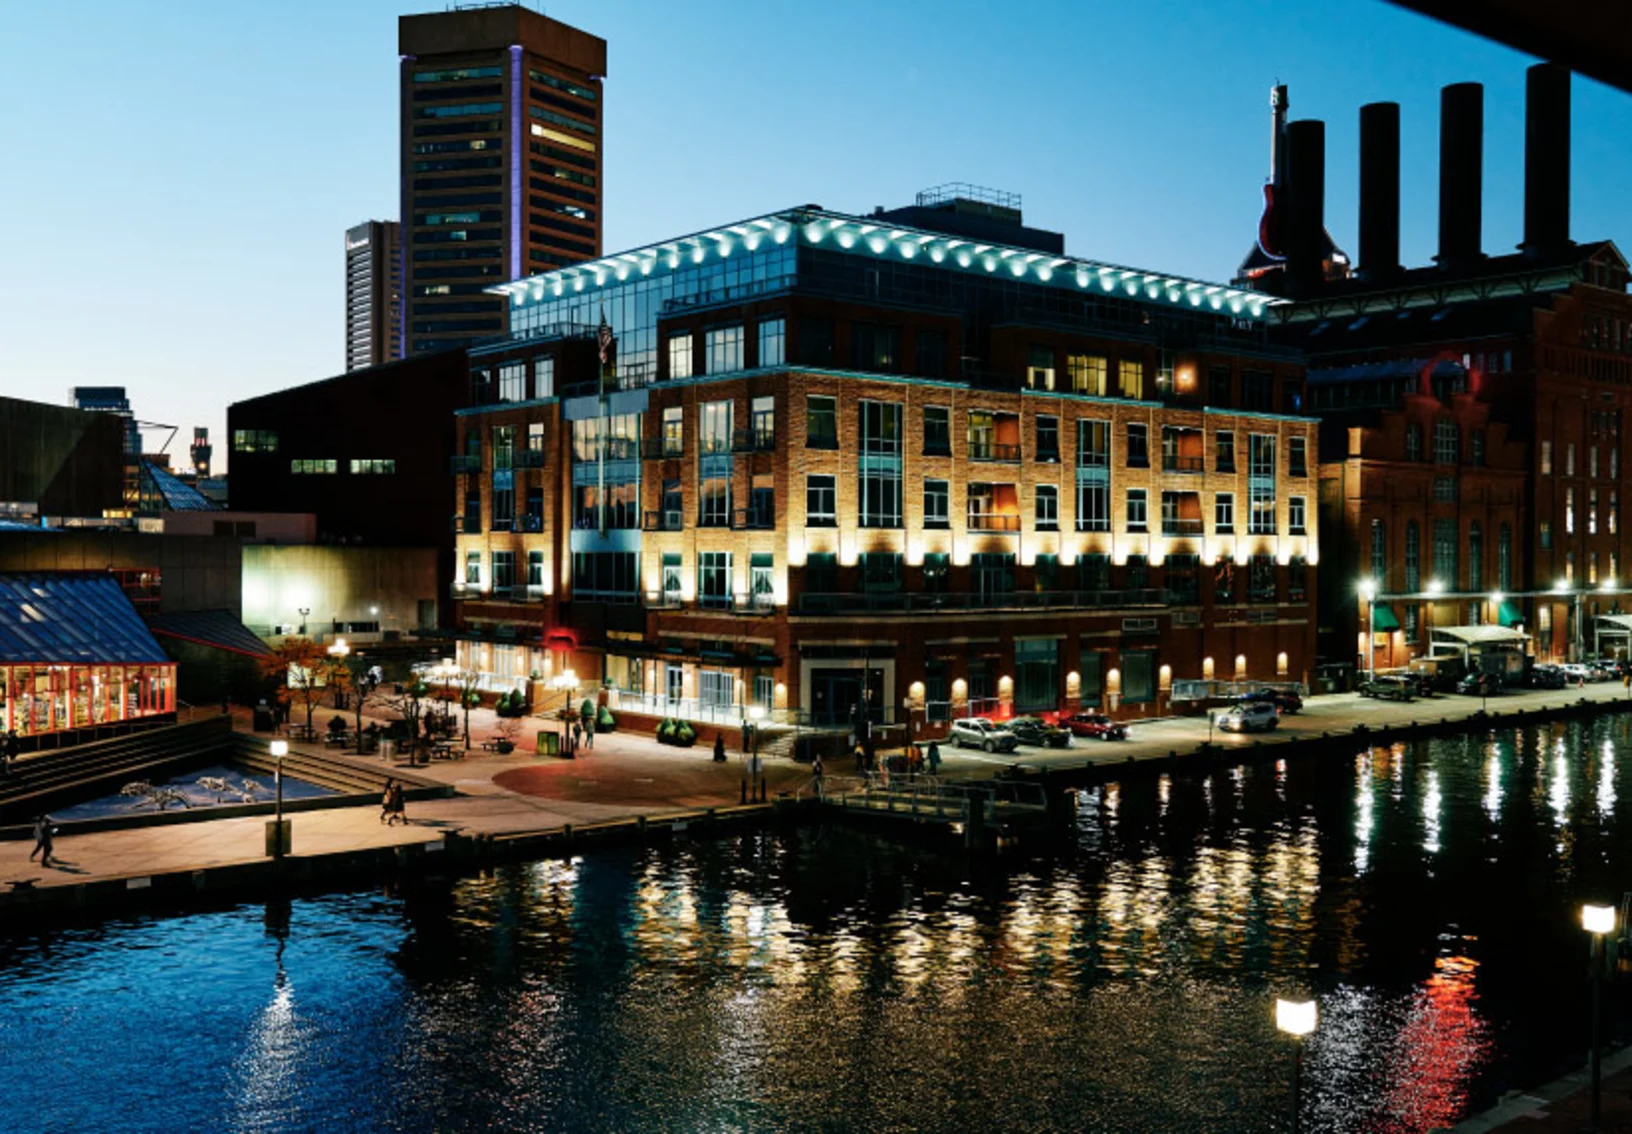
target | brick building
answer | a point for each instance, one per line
(920, 461)
(1472, 451)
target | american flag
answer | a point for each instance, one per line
(605, 337)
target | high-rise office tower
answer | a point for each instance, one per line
(373, 294)
(501, 162)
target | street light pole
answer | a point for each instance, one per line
(1368, 592)
(1598, 921)
(277, 838)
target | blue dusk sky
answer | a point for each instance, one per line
(180, 173)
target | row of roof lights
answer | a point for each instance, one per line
(883, 240)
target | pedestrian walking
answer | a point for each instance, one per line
(934, 758)
(816, 774)
(861, 759)
(577, 735)
(9, 750)
(386, 800)
(589, 734)
(399, 804)
(44, 833)
(719, 747)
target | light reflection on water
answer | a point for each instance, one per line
(826, 980)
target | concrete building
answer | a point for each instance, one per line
(920, 462)
(373, 295)
(501, 162)
(1472, 449)
(59, 461)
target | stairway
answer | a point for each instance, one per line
(85, 771)
(348, 775)
(777, 745)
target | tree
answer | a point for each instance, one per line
(468, 682)
(359, 677)
(300, 668)
(410, 704)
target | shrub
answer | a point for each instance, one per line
(605, 721)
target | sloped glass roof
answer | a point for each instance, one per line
(71, 618)
(177, 494)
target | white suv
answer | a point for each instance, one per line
(978, 732)
(1250, 717)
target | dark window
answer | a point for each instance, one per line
(822, 573)
(1299, 461)
(873, 348)
(821, 423)
(931, 354)
(1094, 572)
(881, 572)
(1226, 450)
(1138, 445)
(1138, 676)
(1219, 392)
(1258, 390)
(937, 431)
(935, 572)
(816, 340)
(1048, 439)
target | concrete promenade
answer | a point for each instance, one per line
(629, 777)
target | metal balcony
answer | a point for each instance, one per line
(994, 522)
(1176, 464)
(1183, 527)
(926, 602)
(991, 451)
(753, 441)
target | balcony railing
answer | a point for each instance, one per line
(992, 451)
(528, 458)
(527, 592)
(530, 522)
(993, 522)
(1093, 460)
(754, 440)
(665, 521)
(757, 604)
(664, 600)
(464, 463)
(928, 602)
(1177, 464)
(1183, 527)
(662, 448)
(753, 519)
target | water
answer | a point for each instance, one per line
(826, 981)
(264, 791)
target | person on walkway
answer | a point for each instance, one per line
(934, 758)
(589, 735)
(44, 833)
(9, 751)
(719, 747)
(577, 735)
(816, 774)
(387, 800)
(861, 759)
(399, 804)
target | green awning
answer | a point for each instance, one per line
(1382, 619)
(1509, 614)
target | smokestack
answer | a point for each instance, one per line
(1546, 158)
(1461, 173)
(1379, 190)
(1306, 203)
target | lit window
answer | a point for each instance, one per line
(680, 356)
(723, 349)
(366, 466)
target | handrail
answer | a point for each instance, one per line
(826, 603)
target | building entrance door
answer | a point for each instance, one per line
(674, 683)
(836, 695)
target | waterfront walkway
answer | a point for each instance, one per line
(631, 778)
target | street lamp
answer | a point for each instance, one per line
(277, 831)
(1368, 591)
(1297, 1018)
(339, 652)
(1598, 921)
(304, 611)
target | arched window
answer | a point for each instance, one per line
(1476, 557)
(1379, 555)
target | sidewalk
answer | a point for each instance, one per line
(1563, 1106)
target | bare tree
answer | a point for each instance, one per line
(360, 678)
(469, 684)
(300, 669)
(410, 705)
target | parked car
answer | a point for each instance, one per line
(1284, 700)
(1254, 716)
(1427, 684)
(1035, 730)
(1389, 688)
(1480, 685)
(987, 735)
(1545, 677)
(1605, 669)
(1095, 725)
(1575, 672)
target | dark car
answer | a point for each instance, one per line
(1545, 677)
(1284, 701)
(1480, 685)
(1389, 688)
(1035, 730)
(1095, 725)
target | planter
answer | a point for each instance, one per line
(505, 747)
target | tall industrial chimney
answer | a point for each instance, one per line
(1461, 173)
(1379, 190)
(1546, 159)
(1306, 212)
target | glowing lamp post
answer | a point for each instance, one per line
(277, 831)
(1598, 921)
(1368, 592)
(1297, 1018)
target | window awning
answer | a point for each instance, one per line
(1621, 622)
(1481, 635)
(1508, 613)
(1382, 619)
